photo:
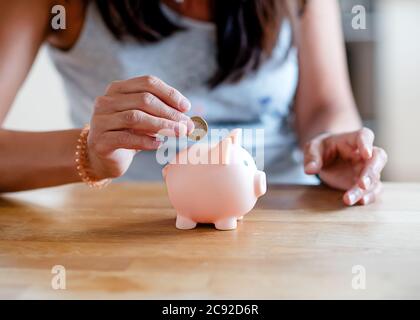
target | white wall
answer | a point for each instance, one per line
(40, 104)
(398, 82)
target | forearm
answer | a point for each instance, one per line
(31, 160)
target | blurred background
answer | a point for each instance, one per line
(384, 64)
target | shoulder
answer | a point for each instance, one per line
(22, 20)
(66, 20)
(36, 17)
(24, 12)
(29, 10)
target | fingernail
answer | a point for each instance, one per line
(353, 196)
(157, 143)
(366, 182)
(365, 200)
(186, 121)
(190, 125)
(181, 129)
(159, 138)
(311, 165)
(185, 104)
(367, 153)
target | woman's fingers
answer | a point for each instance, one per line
(353, 195)
(371, 195)
(355, 162)
(359, 195)
(113, 140)
(364, 141)
(353, 145)
(146, 102)
(142, 122)
(373, 168)
(129, 116)
(313, 155)
(155, 86)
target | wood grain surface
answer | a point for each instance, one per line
(121, 242)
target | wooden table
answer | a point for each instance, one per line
(121, 242)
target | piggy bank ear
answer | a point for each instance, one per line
(236, 135)
(226, 150)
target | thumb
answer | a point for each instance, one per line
(313, 156)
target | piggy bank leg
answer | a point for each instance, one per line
(226, 224)
(184, 223)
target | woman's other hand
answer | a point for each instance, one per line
(127, 118)
(349, 162)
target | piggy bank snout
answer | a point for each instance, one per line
(260, 183)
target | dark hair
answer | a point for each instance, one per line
(247, 30)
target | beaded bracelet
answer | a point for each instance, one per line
(82, 162)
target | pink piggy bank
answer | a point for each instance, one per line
(214, 184)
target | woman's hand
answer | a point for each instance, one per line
(128, 117)
(349, 162)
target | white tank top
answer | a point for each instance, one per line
(186, 60)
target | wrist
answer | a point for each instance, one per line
(98, 171)
(86, 164)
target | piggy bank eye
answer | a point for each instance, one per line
(246, 163)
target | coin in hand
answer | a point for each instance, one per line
(200, 129)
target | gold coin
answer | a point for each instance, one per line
(200, 129)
